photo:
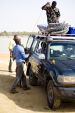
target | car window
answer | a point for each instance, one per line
(38, 49)
(41, 47)
(29, 42)
(34, 45)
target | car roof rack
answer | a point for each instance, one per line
(48, 37)
(67, 36)
(63, 37)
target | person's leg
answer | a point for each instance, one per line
(10, 64)
(19, 71)
(23, 79)
(19, 83)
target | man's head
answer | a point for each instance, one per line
(17, 39)
(54, 3)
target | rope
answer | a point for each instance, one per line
(37, 21)
(38, 18)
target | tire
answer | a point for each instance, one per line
(53, 100)
(32, 78)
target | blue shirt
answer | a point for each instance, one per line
(19, 53)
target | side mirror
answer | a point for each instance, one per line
(41, 56)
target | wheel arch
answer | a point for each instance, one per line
(50, 76)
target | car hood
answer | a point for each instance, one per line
(64, 65)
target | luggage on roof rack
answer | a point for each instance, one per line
(54, 28)
(71, 31)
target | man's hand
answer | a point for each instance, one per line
(47, 4)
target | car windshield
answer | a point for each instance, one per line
(62, 51)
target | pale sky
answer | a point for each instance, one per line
(24, 15)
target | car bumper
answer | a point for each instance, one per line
(68, 93)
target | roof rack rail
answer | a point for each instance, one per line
(56, 37)
(49, 34)
(62, 38)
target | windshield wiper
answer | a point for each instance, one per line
(71, 58)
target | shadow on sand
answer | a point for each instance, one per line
(34, 99)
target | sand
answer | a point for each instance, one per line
(30, 101)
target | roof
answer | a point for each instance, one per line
(56, 37)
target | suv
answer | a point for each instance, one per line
(52, 61)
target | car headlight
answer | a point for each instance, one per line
(66, 79)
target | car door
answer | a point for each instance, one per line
(36, 60)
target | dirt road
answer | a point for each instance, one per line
(30, 101)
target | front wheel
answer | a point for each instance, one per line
(53, 100)
(32, 78)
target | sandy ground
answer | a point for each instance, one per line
(30, 101)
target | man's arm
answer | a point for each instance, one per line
(58, 15)
(13, 54)
(46, 6)
(57, 12)
(22, 52)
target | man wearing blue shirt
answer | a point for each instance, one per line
(20, 56)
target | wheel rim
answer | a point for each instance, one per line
(50, 94)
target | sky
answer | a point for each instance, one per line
(25, 15)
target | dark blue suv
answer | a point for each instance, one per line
(52, 61)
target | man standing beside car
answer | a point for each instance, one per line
(20, 56)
